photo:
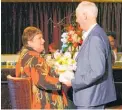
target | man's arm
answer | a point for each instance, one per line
(96, 65)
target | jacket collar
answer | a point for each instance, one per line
(85, 41)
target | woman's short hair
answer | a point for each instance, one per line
(88, 7)
(29, 33)
(113, 34)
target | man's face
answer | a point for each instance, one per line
(80, 18)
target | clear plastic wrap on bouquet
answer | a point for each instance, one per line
(66, 76)
(63, 65)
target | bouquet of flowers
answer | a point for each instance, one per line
(71, 39)
(64, 62)
(64, 66)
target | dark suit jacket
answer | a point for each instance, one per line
(93, 84)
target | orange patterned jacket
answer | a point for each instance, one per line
(47, 91)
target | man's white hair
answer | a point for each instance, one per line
(88, 7)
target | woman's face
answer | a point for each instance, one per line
(37, 43)
(112, 41)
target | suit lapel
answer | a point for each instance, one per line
(84, 42)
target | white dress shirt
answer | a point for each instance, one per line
(85, 33)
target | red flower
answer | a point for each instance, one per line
(78, 30)
(81, 41)
(73, 37)
(69, 28)
(75, 44)
(70, 39)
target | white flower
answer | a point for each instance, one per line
(64, 35)
(74, 66)
(57, 55)
(75, 37)
(62, 68)
(64, 40)
(67, 55)
(76, 53)
(71, 32)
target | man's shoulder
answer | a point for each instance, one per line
(98, 31)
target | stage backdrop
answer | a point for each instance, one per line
(50, 18)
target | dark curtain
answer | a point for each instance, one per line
(50, 18)
(110, 18)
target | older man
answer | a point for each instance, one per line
(93, 84)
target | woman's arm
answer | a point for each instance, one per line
(43, 78)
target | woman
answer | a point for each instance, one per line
(112, 38)
(46, 88)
